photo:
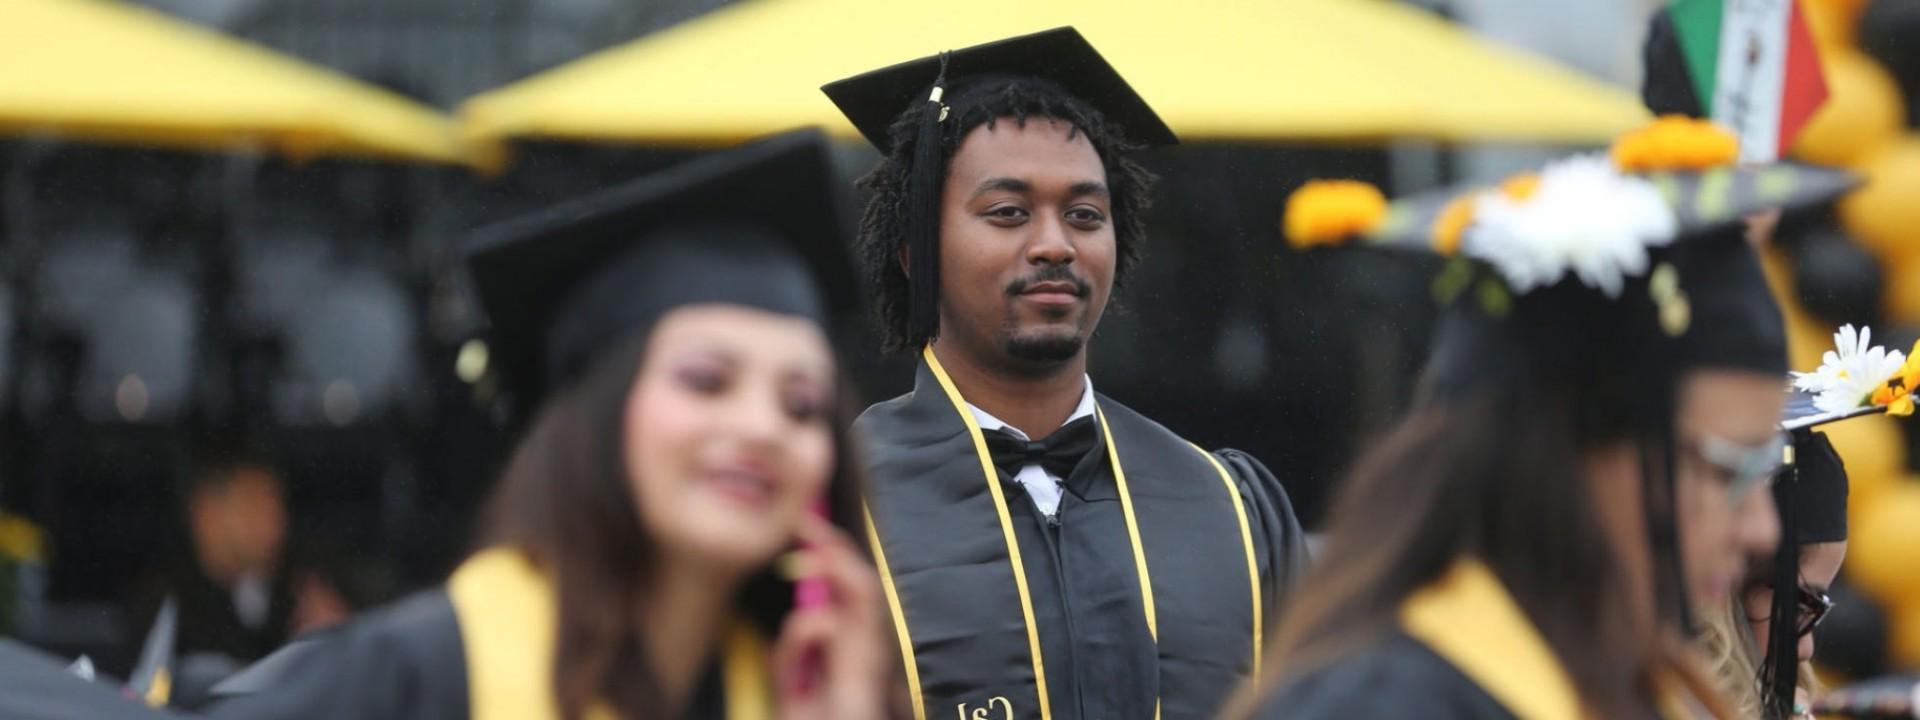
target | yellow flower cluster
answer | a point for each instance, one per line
(1896, 394)
(1675, 142)
(1453, 219)
(1452, 222)
(20, 539)
(1520, 188)
(1328, 212)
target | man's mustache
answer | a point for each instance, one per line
(1053, 274)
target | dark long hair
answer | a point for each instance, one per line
(883, 227)
(1490, 465)
(566, 502)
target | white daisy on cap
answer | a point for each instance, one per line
(1850, 372)
(1583, 217)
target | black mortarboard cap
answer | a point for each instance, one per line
(1668, 86)
(1820, 480)
(1704, 201)
(36, 685)
(1734, 321)
(874, 100)
(1818, 491)
(759, 226)
(946, 87)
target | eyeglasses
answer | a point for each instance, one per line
(1750, 466)
(1813, 607)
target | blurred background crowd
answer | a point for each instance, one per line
(239, 364)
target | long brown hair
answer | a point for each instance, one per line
(565, 501)
(1494, 473)
(1734, 660)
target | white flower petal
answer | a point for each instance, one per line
(1583, 217)
(1850, 373)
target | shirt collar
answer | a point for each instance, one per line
(989, 422)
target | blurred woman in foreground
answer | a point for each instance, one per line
(1583, 464)
(670, 341)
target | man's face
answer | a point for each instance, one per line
(1027, 245)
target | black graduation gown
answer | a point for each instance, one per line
(208, 620)
(1463, 649)
(38, 686)
(1144, 596)
(1397, 678)
(477, 648)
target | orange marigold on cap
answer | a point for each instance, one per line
(1328, 212)
(1675, 142)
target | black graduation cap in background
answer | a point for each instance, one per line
(36, 685)
(759, 226)
(1667, 86)
(945, 86)
(1821, 500)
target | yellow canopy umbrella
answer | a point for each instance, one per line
(1222, 69)
(104, 71)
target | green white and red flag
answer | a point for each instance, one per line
(1755, 68)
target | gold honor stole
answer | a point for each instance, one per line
(957, 577)
(1468, 618)
(506, 611)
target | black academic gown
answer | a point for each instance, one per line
(479, 648)
(1145, 595)
(1462, 650)
(38, 686)
(209, 622)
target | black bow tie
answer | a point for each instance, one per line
(1057, 454)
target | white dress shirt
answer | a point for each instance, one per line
(1042, 486)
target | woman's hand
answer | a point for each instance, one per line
(831, 660)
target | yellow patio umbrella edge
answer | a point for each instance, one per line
(384, 124)
(522, 110)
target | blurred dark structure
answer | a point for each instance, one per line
(152, 298)
(1888, 31)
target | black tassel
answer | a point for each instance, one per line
(924, 179)
(1780, 672)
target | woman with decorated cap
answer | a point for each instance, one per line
(666, 345)
(1580, 470)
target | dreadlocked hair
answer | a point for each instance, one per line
(883, 227)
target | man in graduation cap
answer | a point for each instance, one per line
(1047, 551)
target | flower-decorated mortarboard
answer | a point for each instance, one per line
(1855, 379)
(760, 226)
(1654, 229)
(947, 90)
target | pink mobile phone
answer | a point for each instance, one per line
(811, 590)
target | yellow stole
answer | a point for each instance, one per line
(507, 612)
(991, 478)
(1468, 618)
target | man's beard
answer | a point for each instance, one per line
(1045, 348)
